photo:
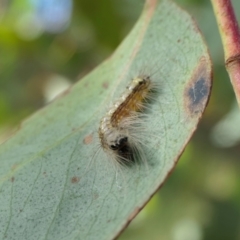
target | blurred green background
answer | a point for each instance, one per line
(46, 45)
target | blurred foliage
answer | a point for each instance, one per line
(201, 199)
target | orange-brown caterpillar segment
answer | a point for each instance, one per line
(115, 128)
(132, 100)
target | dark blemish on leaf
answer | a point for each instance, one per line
(179, 40)
(95, 196)
(12, 179)
(198, 89)
(105, 85)
(75, 179)
(88, 139)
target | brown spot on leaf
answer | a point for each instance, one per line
(75, 179)
(105, 85)
(88, 139)
(198, 88)
(12, 179)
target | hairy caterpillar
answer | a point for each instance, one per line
(118, 130)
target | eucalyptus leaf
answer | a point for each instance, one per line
(56, 180)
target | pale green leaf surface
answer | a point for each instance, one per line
(55, 184)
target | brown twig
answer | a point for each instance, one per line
(230, 34)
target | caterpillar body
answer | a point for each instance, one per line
(118, 128)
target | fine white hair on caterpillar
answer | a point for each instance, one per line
(121, 129)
